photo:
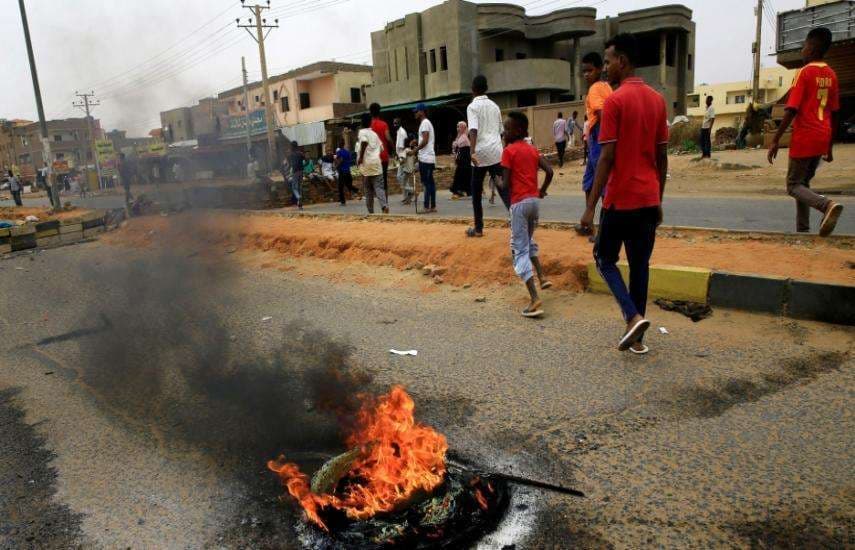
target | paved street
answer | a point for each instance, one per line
(151, 418)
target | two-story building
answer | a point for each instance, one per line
(70, 142)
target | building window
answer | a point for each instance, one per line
(690, 63)
(275, 95)
(443, 59)
(305, 103)
(521, 55)
(57, 138)
(355, 95)
(432, 56)
(694, 101)
(526, 99)
(500, 54)
(179, 124)
(780, 81)
(60, 156)
(284, 104)
(671, 50)
(257, 99)
(648, 49)
(240, 103)
(739, 99)
(424, 66)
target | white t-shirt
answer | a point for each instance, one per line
(401, 143)
(709, 116)
(371, 165)
(427, 154)
(486, 117)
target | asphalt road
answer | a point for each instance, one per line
(743, 213)
(146, 392)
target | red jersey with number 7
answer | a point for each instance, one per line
(815, 96)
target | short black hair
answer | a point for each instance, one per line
(479, 84)
(575, 114)
(374, 109)
(560, 114)
(366, 120)
(626, 45)
(709, 98)
(295, 144)
(520, 120)
(593, 58)
(822, 38)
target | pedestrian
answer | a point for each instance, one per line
(520, 163)
(632, 169)
(572, 127)
(125, 177)
(252, 169)
(15, 189)
(370, 165)
(401, 140)
(297, 160)
(426, 156)
(706, 129)
(485, 136)
(462, 163)
(598, 92)
(382, 130)
(559, 133)
(409, 172)
(328, 174)
(812, 108)
(343, 161)
(585, 128)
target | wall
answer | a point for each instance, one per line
(541, 118)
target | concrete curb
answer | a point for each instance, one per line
(52, 234)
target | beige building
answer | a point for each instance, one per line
(70, 141)
(731, 99)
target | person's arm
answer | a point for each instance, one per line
(547, 168)
(789, 115)
(363, 145)
(662, 168)
(506, 178)
(424, 141)
(604, 169)
(473, 142)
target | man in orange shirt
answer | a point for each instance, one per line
(812, 109)
(598, 92)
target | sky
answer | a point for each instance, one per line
(141, 57)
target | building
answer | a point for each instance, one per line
(432, 56)
(123, 144)
(839, 17)
(70, 142)
(177, 125)
(730, 99)
(8, 151)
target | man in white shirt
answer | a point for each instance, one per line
(427, 156)
(370, 166)
(559, 134)
(485, 135)
(706, 129)
(400, 148)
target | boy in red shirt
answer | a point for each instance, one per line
(520, 162)
(382, 130)
(812, 109)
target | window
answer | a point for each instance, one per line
(671, 50)
(60, 156)
(257, 99)
(500, 54)
(275, 95)
(179, 124)
(443, 59)
(739, 99)
(648, 48)
(284, 105)
(521, 55)
(780, 81)
(689, 63)
(694, 100)
(526, 99)
(57, 138)
(432, 61)
(305, 102)
(355, 95)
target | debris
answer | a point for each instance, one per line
(48, 373)
(481, 299)
(437, 279)
(693, 310)
(388, 321)
(467, 286)
(663, 330)
(412, 352)
(231, 250)
(265, 319)
(19, 268)
(31, 218)
(702, 354)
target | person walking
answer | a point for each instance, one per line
(632, 169)
(559, 134)
(400, 153)
(382, 130)
(485, 136)
(343, 161)
(427, 156)
(370, 165)
(572, 127)
(706, 129)
(125, 177)
(297, 160)
(598, 92)
(462, 163)
(812, 107)
(15, 189)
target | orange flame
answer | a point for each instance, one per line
(399, 457)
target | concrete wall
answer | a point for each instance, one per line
(180, 124)
(541, 118)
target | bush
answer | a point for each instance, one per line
(725, 135)
(685, 136)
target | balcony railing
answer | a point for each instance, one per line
(793, 26)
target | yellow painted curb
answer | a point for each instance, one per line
(666, 281)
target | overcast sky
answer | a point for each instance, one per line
(145, 56)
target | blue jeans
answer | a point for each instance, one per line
(426, 172)
(636, 231)
(297, 186)
(593, 158)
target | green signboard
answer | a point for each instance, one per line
(235, 126)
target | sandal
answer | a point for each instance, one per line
(533, 310)
(470, 232)
(643, 351)
(634, 335)
(545, 285)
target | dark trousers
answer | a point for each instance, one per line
(345, 181)
(17, 196)
(706, 142)
(478, 174)
(561, 147)
(385, 166)
(635, 230)
(426, 172)
(799, 174)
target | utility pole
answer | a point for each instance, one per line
(85, 105)
(755, 87)
(262, 29)
(46, 154)
(246, 110)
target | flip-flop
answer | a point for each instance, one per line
(545, 285)
(634, 334)
(470, 232)
(642, 351)
(829, 221)
(536, 312)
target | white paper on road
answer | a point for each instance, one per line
(265, 319)
(664, 330)
(407, 352)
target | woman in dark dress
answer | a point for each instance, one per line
(463, 163)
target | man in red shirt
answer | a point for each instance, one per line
(382, 130)
(634, 163)
(520, 163)
(812, 109)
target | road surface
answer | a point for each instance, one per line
(141, 393)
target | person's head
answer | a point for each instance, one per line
(575, 115)
(420, 111)
(462, 128)
(621, 58)
(374, 109)
(592, 67)
(560, 115)
(396, 123)
(414, 143)
(709, 100)
(295, 146)
(11, 175)
(365, 120)
(121, 156)
(479, 85)
(516, 126)
(816, 45)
